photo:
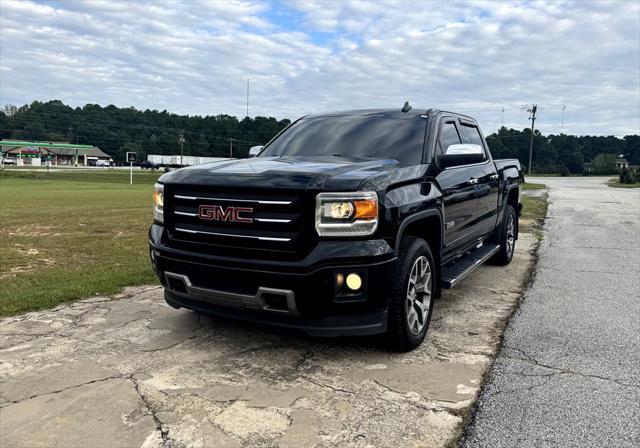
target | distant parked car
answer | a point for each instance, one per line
(9, 161)
(149, 165)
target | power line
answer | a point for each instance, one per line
(82, 120)
(139, 139)
(149, 128)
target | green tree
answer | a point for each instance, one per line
(604, 164)
(632, 149)
(157, 132)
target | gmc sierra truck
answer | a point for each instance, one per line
(347, 223)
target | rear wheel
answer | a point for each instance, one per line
(412, 301)
(506, 237)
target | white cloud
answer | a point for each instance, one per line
(194, 57)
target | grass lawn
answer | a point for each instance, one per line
(530, 186)
(534, 210)
(534, 207)
(67, 235)
(617, 184)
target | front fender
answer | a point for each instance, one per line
(409, 203)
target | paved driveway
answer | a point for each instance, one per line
(130, 371)
(569, 371)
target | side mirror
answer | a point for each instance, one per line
(461, 154)
(254, 150)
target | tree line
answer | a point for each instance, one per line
(565, 154)
(118, 130)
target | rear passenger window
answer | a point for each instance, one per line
(470, 134)
(448, 136)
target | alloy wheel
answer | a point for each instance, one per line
(418, 300)
(511, 235)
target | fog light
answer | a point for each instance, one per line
(354, 282)
(339, 280)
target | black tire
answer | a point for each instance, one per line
(401, 336)
(506, 236)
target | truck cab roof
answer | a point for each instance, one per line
(391, 112)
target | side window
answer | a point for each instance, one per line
(448, 136)
(471, 134)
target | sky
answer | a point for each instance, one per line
(486, 59)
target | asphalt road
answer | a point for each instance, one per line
(129, 371)
(568, 374)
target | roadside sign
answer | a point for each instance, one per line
(131, 158)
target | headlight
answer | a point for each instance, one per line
(347, 214)
(158, 203)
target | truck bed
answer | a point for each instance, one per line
(501, 164)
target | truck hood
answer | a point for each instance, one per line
(326, 173)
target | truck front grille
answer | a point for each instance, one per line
(256, 224)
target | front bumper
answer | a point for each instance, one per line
(301, 295)
(330, 326)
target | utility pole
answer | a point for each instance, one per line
(231, 147)
(181, 148)
(247, 97)
(502, 115)
(532, 111)
(563, 109)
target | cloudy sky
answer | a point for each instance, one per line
(302, 56)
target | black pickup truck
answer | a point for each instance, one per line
(345, 223)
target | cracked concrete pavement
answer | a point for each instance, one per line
(130, 371)
(568, 374)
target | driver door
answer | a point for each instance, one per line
(460, 198)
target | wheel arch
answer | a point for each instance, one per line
(513, 195)
(428, 226)
(513, 199)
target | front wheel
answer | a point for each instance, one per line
(412, 301)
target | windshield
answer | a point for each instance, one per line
(381, 136)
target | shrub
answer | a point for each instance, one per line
(630, 176)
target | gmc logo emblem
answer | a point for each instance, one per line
(219, 213)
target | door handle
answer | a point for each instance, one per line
(493, 177)
(472, 181)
